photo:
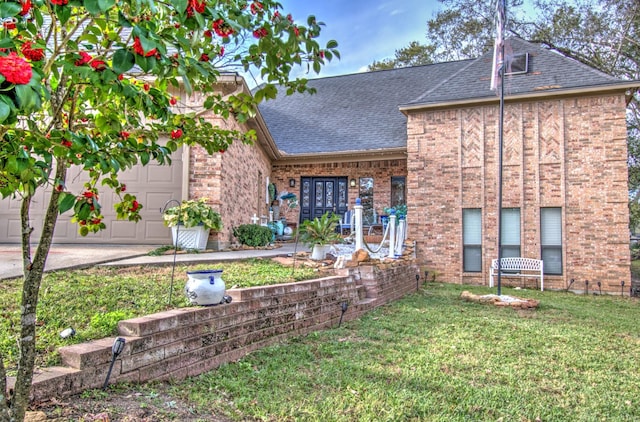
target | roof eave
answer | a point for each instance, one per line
(618, 87)
(398, 153)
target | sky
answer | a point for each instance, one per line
(366, 31)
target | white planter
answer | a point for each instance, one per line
(205, 288)
(190, 237)
(319, 252)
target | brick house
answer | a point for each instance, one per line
(427, 137)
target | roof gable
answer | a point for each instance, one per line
(361, 112)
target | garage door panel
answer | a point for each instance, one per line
(153, 185)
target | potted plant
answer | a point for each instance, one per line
(318, 233)
(191, 222)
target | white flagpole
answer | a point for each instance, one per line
(497, 76)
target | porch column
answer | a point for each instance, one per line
(358, 210)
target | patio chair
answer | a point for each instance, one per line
(347, 222)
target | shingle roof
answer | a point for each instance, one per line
(360, 112)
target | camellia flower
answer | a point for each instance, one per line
(137, 47)
(98, 65)
(260, 33)
(66, 143)
(15, 69)
(176, 134)
(195, 7)
(124, 134)
(9, 23)
(204, 57)
(84, 58)
(173, 101)
(222, 28)
(134, 206)
(26, 7)
(256, 7)
(59, 2)
(33, 54)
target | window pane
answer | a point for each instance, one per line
(552, 260)
(551, 226)
(398, 184)
(472, 240)
(472, 259)
(510, 226)
(551, 239)
(471, 227)
(366, 198)
(510, 251)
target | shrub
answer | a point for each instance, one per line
(253, 235)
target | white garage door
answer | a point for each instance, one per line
(153, 185)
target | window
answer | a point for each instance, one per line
(551, 239)
(472, 240)
(366, 196)
(517, 64)
(510, 232)
(398, 184)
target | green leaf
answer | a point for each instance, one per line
(144, 158)
(92, 7)
(123, 61)
(27, 98)
(5, 110)
(332, 44)
(8, 9)
(106, 4)
(66, 202)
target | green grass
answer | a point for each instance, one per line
(92, 301)
(433, 357)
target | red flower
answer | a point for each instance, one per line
(260, 33)
(96, 221)
(296, 31)
(15, 69)
(290, 18)
(208, 33)
(222, 28)
(137, 47)
(146, 87)
(88, 194)
(98, 65)
(26, 7)
(9, 23)
(120, 77)
(33, 54)
(195, 7)
(173, 101)
(134, 206)
(204, 57)
(176, 134)
(256, 7)
(59, 2)
(84, 58)
(221, 51)
(123, 187)
(66, 143)
(321, 54)
(124, 134)
(59, 188)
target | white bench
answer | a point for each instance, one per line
(518, 267)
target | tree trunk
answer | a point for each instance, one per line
(33, 271)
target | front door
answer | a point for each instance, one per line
(322, 194)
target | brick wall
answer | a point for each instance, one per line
(189, 341)
(568, 153)
(381, 171)
(234, 181)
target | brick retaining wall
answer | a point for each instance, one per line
(189, 341)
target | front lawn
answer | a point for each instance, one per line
(434, 357)
(92, 301)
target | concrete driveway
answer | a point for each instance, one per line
(77, 256)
